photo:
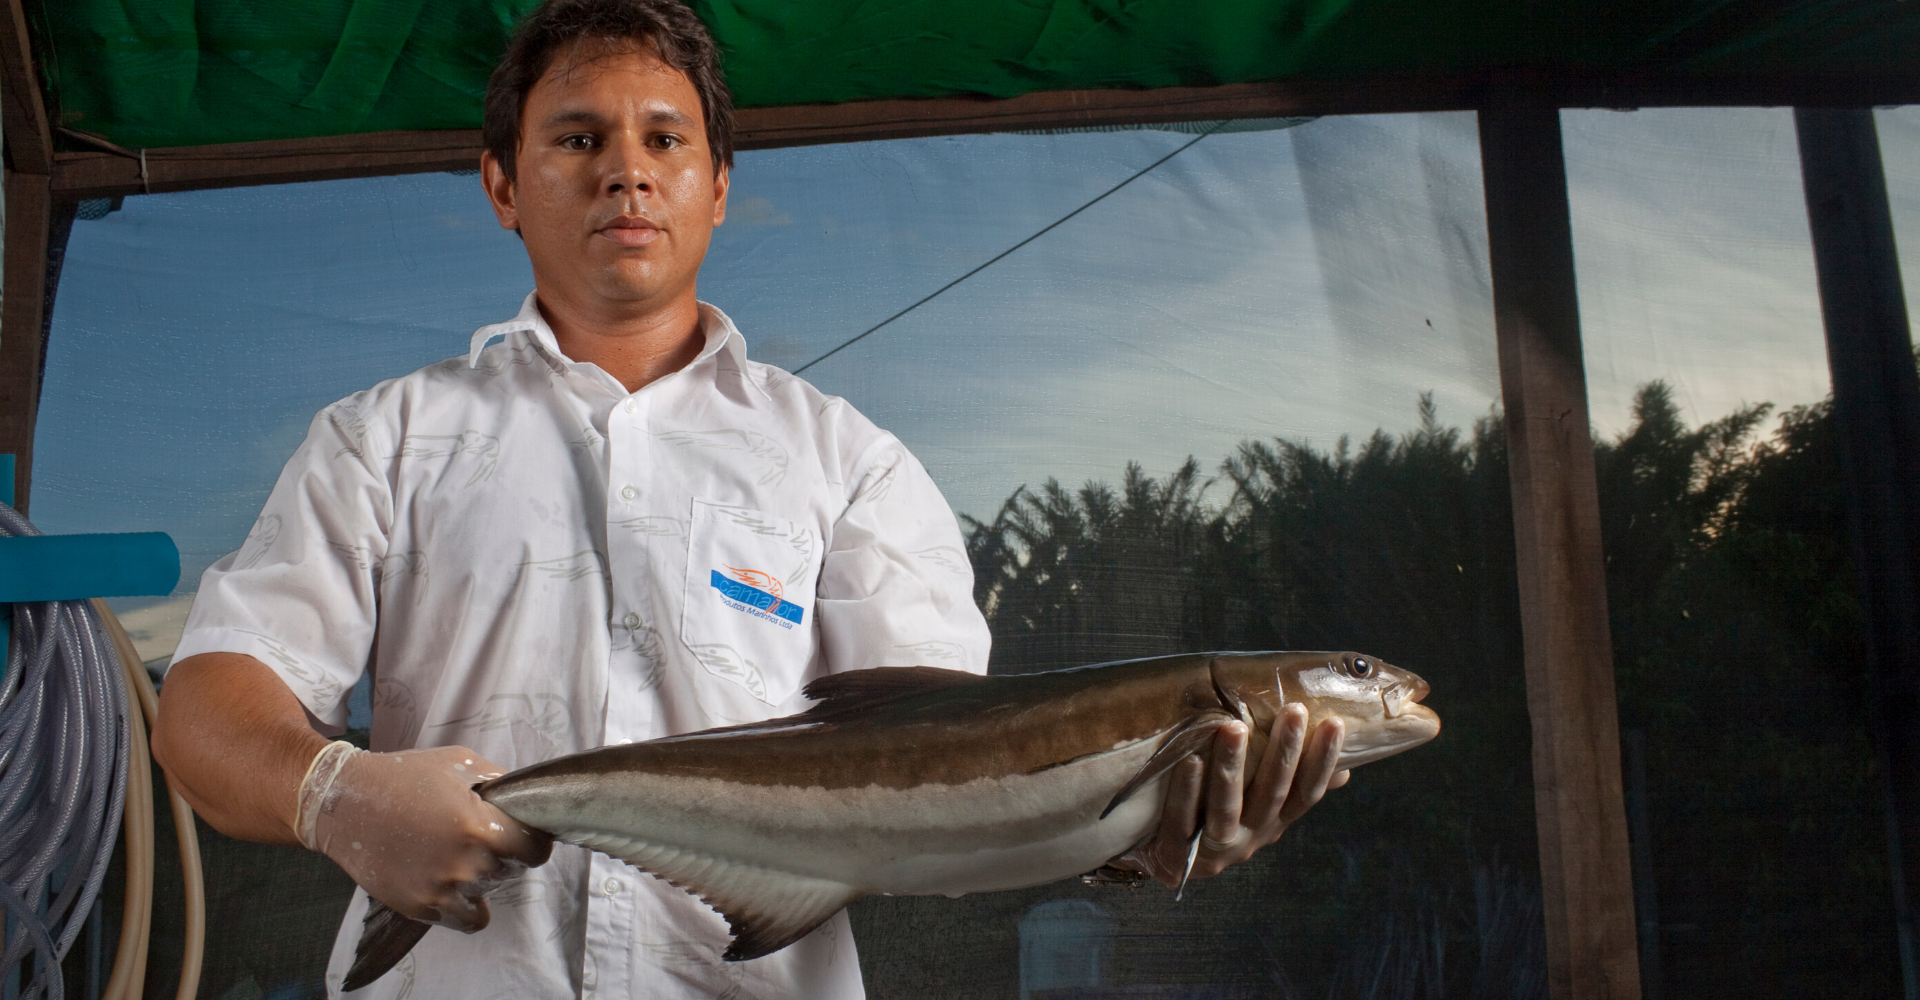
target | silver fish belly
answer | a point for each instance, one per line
(935, 839)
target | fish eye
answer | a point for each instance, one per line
(1361, 668)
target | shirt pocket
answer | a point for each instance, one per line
(748, 612)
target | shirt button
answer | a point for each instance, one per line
(631, 621)
(612, 886)
(630, 405)
(628, 493)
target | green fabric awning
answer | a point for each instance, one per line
(153, 73)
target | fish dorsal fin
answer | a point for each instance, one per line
(851, 693)
(767, 909)
(856, 690)
(1191, 736)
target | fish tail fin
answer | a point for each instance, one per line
(385, 938)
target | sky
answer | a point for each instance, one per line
(1304, 283)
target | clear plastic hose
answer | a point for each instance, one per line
(64, 744)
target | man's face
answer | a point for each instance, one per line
(616, 195)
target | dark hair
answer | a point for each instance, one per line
(666, 27)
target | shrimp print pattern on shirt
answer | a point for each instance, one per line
(537, 562)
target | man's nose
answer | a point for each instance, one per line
(627, 166)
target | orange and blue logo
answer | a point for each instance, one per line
(758, 594)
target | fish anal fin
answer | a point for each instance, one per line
(763, 930)
(767, 909)
(1192, 736)
(856, 690)
(385, 939)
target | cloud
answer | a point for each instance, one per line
(1695, 265)
(1192, 311)
(757, 212)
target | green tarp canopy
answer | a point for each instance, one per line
(157, 73)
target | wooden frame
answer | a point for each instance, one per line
(29, 214)
(22, 114)
(1583, 840)
(22, 318)
(99, 173)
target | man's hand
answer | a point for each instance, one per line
(407, 826)
(410, 830)
(1294, 774)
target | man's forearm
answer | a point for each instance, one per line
(236, 743)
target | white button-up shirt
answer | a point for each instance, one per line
(533, 562)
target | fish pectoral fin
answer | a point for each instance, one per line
(1191, 736)
(766, 908)
(856, 690)
(385, 939)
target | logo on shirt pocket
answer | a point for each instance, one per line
(749, 590)
(756, 593)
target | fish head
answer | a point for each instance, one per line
(1378, 702)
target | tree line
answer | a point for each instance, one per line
(1737, 644)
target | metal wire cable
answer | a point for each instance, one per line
(996, 258)
(64, 743)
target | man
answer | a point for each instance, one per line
(540, 548)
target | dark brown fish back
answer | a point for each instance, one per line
(929, 736)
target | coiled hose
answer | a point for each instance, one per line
(73, 765)
(65, 738)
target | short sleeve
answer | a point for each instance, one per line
(896, 587)
(300, 594)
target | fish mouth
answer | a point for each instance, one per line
(1397, 699)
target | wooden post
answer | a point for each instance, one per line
(1876, 416)
(1584, 864)
(22, 321)
(23, 116)
(23, 274)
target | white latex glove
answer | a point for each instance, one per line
(408, 828)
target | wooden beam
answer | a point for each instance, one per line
(805, 125)
(811, 124)
(95, 174)
(28, 222)
(23, 116)
(1584, 864)
(1876, 416)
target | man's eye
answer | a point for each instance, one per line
(665, 141)
(577, 143)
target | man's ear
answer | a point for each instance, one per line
(500, 191)
(720, 196)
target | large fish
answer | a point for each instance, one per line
(923, 781)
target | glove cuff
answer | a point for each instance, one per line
(317, 790)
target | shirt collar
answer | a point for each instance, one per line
(721, 335)
(723, 338)
(528, 321)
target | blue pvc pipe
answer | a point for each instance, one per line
(75, 567)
